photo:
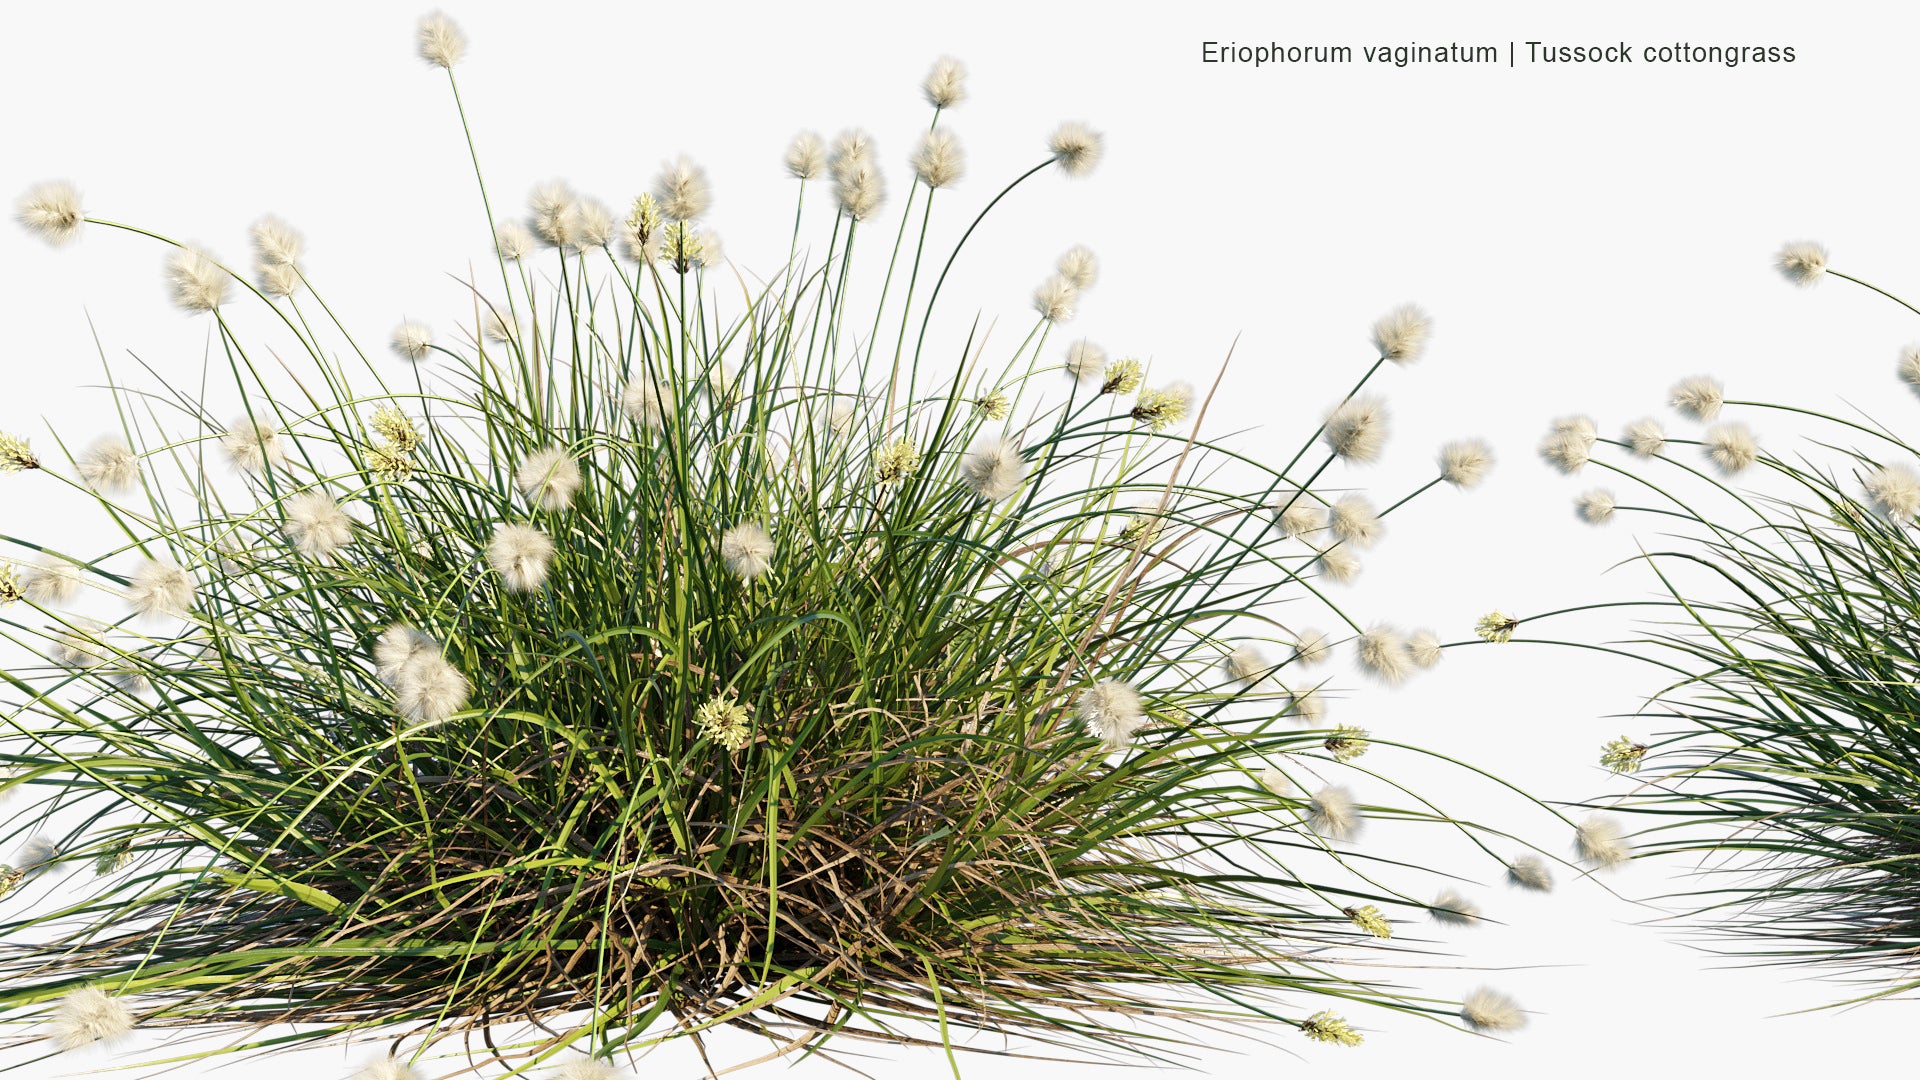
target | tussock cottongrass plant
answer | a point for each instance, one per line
(1782, 759)
(656, 652)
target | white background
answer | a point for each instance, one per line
(1584, 237)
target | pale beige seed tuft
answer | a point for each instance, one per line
(1465, 462)
(109, 466)
(946, 84)
(548, 478)
(1333, 813)
(1803, 262)
(937, 161)
(1699, 397)
(521, 555)
(1079, 265)
(1595, 507)
(747, 550)
(1731, 447)
(1401, 334)
(88, 1015)
(994, 469)
(682, 190)
(1086, 362)
(1646, 437)
(1055, 299)
(1076, 148)
(1354, 520)
(806, 156)
(1112, 712)
(316, 525)
(440, 40)
(51, 210)
(1356, 429)
(1600, 842)
(160, 589)
(1487, 1010)
(196, 281)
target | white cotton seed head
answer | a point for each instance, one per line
(1401, 334)
(1247, 664)
(1699, 397)
(1449, 908)
(1311, 648)
(1055, 299)
(1530, 872)
(682, 190)
(1802, 261)
(253, 445)
(1567, 450)
(1302, 517)
(1465, 462)
(946, 84)
(430, 690)
(860, 189)
(1308, 706)
(937, 161)
(279, 279)
(1731, 447)
(1382, 652)
(1356, 429)
(1111, 711)
(994, 469)
(1595, 507)
(548, 478)
(646, 401)
(412, 341)
(1909, 367)
(1895, 492)
(851, 148)
(1354, 520)
(51, 211)
(521, 555)
(513, 240)
(1080, 266)
(196, 281)
(276, 243)
(398, 647)
(159, 589)
(35, 855)
(1333, 813)
(89, 1015)
(52, 580)
(1490, 1010)
(1600, 843)
(1424, 649)
(587, 1069)
(1076, 148)
(595, 223)
(1086, 362)
(1646, 437)
(554, 211)
(316, 525)
(1339, 564)
(747, 549)
(109, 466)
(387, 1069)
(806, 155)
(1276, 782)
(441, 41)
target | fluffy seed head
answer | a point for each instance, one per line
(1895, 492)
(549, 478)
(937, 161)
(276, 243)
(430, 690)
(1311, 648)
(109, 465)
(1086, 362)
(1247, 664)
(993, 469)
(1401, 334)
(279, 279)
(859, 187)
(1301, 517)
(1595, 507)
(253, 445)
(89, 1015)
(387, 1069)
(1111, 711)
(1424, 649)
(441, 41)
(1600, 843)
(316, 525)
(1055, 299)
(851, 147)
(805, 156)
(1490, 1010)
(51, 581)
(1333, 814)
(747, 549)
(1530, 872)
(646, 401)
(1080, 266)
(521, 555)
(946, 84)
(196, 281)
(1339, 564)
(1165, 407)
(1076, 147)
(554, 211)
(412, 340)
(1465, 462)
(1356, 429)
(1699, 397)
(1802, 261)
(1276, 782)
(157, 589)
(513, 240)
(682, 190)
(1567, 449)
(1308, 706)
(1646, 437)
(1382, 652)
(1731, 447)
(595, 223)
(1449, 908)
(1909, 367)
(588, 1069)
(51, 210)
(1354, 521)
